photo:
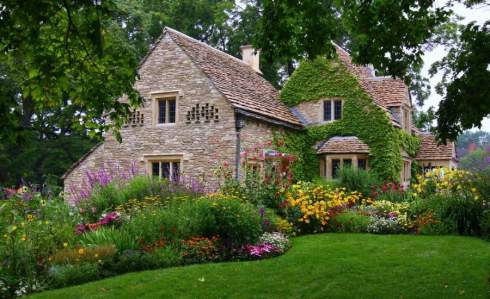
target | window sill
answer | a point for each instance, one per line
(164, 125)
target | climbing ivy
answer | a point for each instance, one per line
(322, 78)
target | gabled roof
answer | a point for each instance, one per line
(236, 80)
(430, 150)
(385, 91)
(342, 145)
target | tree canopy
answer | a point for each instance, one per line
(65, 64)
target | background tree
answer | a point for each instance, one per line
(392, 36)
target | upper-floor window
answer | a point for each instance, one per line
(166, 110)
(332, 110)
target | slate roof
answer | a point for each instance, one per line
(235, 79)
(430, 150)
(342, 145)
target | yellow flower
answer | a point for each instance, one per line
(24, 237)
(30, 217)
(473, 189)
(96, 255)
(81, 251)
(65, 244)
(14, 228)
(43, 202)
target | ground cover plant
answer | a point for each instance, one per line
(321, 266)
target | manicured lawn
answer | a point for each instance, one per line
(321, 266)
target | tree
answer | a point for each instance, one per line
(70, 50)
(466, 82)
(479, 139)
(477, 161)
(392, 36)
(424, 120)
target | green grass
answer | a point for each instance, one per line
(320, 266)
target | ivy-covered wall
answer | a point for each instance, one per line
(322, 78)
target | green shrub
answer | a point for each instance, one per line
(137, 260)
(179, 220)
(237, 222)
(65, 275)
(357, 180)
(485, 224)
(448, 213)
(349, 221)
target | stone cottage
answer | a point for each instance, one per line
(203, 105)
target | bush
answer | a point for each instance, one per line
(382, 225)
(448, 214)
(138, 260)
(237, 222)
(66, 275)
(357, 180)
(349, 221)
(485, 224)
(309, 207)
(276, 239)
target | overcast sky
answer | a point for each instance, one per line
(479, 15)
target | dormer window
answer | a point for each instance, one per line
(332, 110)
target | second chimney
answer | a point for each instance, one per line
(251, 57)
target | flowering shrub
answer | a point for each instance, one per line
(276, 239)
(389, 191)
(447, 181)
(32, 226)
(106, 219)
(265, 175)
(454, 199)
(261, 250)
(200, 249)
(310, 206)
(385, 225)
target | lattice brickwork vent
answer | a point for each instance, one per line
(135, 119)
(202, 114)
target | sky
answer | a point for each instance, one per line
(477, 14)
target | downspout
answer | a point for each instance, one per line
(239, 124)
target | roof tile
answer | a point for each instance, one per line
(343, 144)
(430, 150)
(235, 79)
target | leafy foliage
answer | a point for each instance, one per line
(323, 78)
(465, 84)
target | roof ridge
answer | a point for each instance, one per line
(207, 46)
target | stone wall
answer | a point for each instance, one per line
(312, 111)
(169, 69)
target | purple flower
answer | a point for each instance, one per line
(261, 211)
(80, 229)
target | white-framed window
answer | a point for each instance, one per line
(164, 167)
(332, 110)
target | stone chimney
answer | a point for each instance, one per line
(251, 57)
